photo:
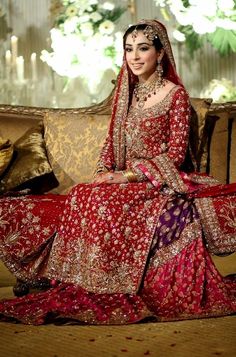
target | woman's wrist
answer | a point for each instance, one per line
(130, 176)
(100, 169)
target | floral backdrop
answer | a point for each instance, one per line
(84, 42)
(82, 52)
(203, 20)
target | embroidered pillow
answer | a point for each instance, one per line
(30, 167)
(74, 139)
(199, 131)
(6, 154)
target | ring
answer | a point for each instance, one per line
(110, 177)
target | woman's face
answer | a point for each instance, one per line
(141, 55)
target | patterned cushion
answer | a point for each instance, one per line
(199, 131)
(6, 153)
(30, 167)
(74, 140)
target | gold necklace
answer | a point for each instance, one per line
(143, 91)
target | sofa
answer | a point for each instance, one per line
(50, 150)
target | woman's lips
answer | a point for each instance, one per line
(137, 66)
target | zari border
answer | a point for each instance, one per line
(165, 254)
(149, 170)
(169, 173)
(16, 268)
(203, 179)
(119, 114)
(217, 241)
(205, 314)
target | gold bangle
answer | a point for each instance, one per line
(130, 176)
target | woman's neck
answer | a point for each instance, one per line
(148, 79)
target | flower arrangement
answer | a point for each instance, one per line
(220, 90)
(83, 39)
(200, 20)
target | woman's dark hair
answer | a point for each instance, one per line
(156, 42)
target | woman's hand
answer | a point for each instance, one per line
(110, 178)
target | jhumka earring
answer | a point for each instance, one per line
(159, 71)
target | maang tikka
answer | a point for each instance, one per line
(148, 32)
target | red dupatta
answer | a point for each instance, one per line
(113, 153)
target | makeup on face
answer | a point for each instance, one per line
(141, 55)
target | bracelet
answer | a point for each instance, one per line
(100, 168)
(130, 176)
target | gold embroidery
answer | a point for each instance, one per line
(166, 253)
(228, 212)
(217, 241)
(169, 173)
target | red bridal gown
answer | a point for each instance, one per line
(119, 253)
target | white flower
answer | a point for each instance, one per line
(225, 5)
(161, 3)
(203, 25)
(84, 18)
(119, 48)
(209, 10)
(71, 11)
(177, 6)
(179, 36)
(70, 25)
(80, 48)
(86, 29)
(82, 6)
(95, 16)
(108, 6)
(106, 27)
(226, 24)
(183, 18)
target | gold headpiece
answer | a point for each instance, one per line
(149, 32)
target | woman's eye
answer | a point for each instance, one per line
(128, 49)
(144, 48)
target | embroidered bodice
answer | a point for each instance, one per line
(158, 129)
(153, 140)
(158, 133)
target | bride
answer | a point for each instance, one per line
(136, 242)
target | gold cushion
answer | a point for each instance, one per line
(6, 153)
(198, 131)
(30, 167)
(73, 142)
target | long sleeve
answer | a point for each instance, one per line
(163, 168)
(105, 162)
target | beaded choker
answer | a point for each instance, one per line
(143, 91)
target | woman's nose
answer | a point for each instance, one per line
(136, 54)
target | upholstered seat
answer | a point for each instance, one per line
(72, 139)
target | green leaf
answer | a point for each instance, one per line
(193, 40)
(186, 3)
(110, 51)
(113, 15)
(224, 41)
